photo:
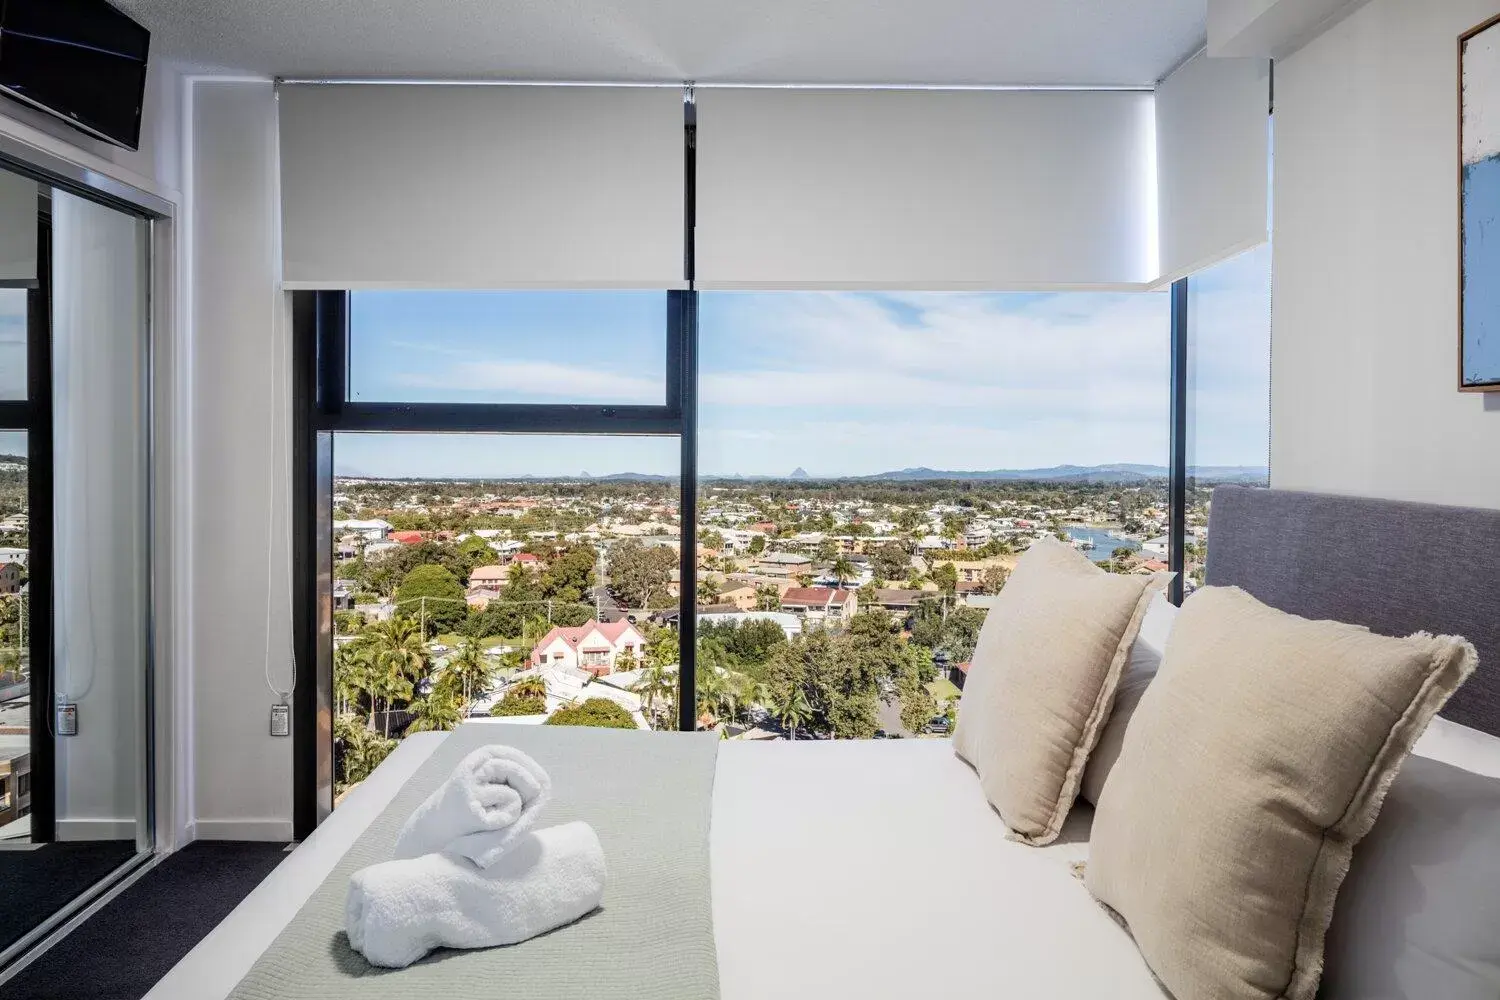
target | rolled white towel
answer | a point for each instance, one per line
(398, 911)
(492, 798)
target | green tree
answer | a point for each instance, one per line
(946, 577)
(471, 672)
(708, 591)
(528, 687)
(891, 562)
(767, 598)
(432, 593)
(437, 711)
(757, 545)
(994, 579)
(789, 707)
(658, 690)
(597, 712)
(512, 705)
(917, 707)
(842, 570)
(396, 657)
(356, 750)
(640, 574)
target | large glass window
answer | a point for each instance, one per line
(871, 466)
(1228, 391)
(508, 347)
(501, 575)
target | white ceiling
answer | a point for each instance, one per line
(944, 42)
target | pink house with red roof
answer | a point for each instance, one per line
(592, 646)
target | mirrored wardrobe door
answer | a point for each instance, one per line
(75, 559)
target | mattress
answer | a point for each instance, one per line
(867, 869)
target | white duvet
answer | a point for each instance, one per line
(865, 870)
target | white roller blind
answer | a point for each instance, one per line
(18, 213)
(411, 186)
(1212, 135)
(924, 189)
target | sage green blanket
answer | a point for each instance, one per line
(649, 797)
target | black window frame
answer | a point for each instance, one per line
(321, 408)
(320, 325)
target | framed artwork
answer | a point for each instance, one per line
(1479, 208)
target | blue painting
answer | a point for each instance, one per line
(1479, 349)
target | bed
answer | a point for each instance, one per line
(876, 869)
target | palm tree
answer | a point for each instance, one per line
(842, 570)
(657, 686)
(708, 591)
(351, 678)
(528, 687)
(471, 672)
(396, 657)
(791, 709)
(711, 694)
(767, 598)
(437, 712)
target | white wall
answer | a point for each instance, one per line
(1364, 369)
(99, 329)
(243, 775)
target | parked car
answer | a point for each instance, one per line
(939, 726)
(880, 734)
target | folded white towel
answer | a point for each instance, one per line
(492, 798)
(398, 911)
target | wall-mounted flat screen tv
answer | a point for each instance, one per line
(81, 60)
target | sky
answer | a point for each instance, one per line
(835, 383)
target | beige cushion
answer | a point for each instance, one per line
(1255, 761)
(1042, 679)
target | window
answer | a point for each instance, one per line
(489, 574)
(1228, 391)
(508, 347)
(872, 464)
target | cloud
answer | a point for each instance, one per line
(525, 379)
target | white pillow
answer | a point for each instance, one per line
(1462, 747)
(1418, 917)
(1145, 660)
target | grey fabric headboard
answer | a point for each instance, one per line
(1395, 567)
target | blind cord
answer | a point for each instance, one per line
(276, 460)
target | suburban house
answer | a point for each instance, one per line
(784, 564)
(14, 555)
(487, 578)
(528, 559)
(407, 537)
(899, 601)
(973, 570)
(742, 597)
(479, 598)
(592, 646)
(820, 602)
(10, 578)
(372, 530)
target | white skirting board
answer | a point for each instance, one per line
(277, 830)
(96, 829)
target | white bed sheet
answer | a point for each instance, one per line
(840, 869)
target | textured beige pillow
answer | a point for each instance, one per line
(1042, 680)
(1255, 761)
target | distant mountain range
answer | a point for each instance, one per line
(1120, 473)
